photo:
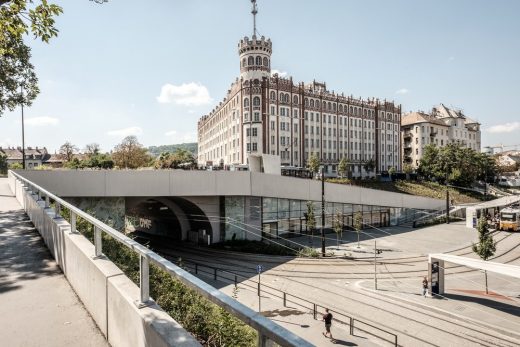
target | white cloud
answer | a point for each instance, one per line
(402, 91)
(280, 73)
(187, 94)
(504, 128)
(125, 132)
(177, 137)
(41, 121)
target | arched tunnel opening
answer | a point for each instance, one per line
(166, 222)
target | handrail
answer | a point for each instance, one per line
(214, 273)
(266, 328)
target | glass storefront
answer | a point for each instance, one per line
(256, 217)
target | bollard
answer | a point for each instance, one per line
(72, 222)
(196, 268)
(351, 326)
(314, 313)
(144, 280)
(284, 299)
(97, 241)
(215, 274)
(236, 282)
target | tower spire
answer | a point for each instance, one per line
(254, 11)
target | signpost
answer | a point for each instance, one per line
(259, 270)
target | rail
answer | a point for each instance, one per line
(267, 329)
(313, 308)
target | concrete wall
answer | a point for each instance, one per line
(214, 183)
(105, 291)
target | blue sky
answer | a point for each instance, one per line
(153, 68)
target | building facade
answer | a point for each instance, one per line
(264, 113)
(439, 127)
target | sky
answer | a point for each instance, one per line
(152, 68)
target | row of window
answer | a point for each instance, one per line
(258, 61)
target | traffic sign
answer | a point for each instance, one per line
(259, 268)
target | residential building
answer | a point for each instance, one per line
(34, 157)
(270, 114)
(439, 127)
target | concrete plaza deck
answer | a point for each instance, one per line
(38, 306)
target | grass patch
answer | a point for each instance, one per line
(426, 189)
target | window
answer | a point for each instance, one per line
(266, 62)
(273, 95)
(248, 146)
(255, 147)
(272, 139)
(256, 101)
(246, 102)
(312, 103)
(244, 62)
(295, 99)
(255, 132)
(272, 125)
(257, 116)
(295, 127)
(258, 60)
(250, 61)
(273, 110)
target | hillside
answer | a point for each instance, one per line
(426, 189)
(157, 150)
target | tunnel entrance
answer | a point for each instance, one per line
(167, 221)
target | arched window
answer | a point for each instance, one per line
(364, 112)
(340, 108)
(246, 102)
(334, 107)
(250, 61)
(350, 110)
(312, 102)
(287, 98)
(244, 62)
(259, 60)
(306, 102)
(266, 62)
(273, 95)
(330, 106)
(256, 101)
(295, 99)
(317, 103)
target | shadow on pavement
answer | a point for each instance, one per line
(23, 253)
(511, 309)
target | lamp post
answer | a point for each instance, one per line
(23, 130)
(447, 200)
(323, 211)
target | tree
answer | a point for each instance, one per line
(338, 226)
(310, 220)
(3, 163)
(369, 165)
(358, 224)
(485, 248)
(92, 149)
(392, 171)
(407, 169)
(18, 18)
(182, 158)
(130, 154)
(313, 163)
(67, 151)
(343, 167)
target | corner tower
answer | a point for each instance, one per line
(255, 54)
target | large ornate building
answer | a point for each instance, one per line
(268, 114)
(440, 127)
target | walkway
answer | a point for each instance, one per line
(38, 306)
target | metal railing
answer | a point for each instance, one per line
(267, 329)
(343, 318)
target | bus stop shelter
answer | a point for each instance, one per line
(436, 268)
(473, 212)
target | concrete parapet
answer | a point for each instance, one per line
(105, 291)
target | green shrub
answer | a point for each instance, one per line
(210, 324)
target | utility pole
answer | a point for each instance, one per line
(447, 204)
(23, 131)
(323, 211)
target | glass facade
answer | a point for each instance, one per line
(257, 217)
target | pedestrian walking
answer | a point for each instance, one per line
(327, 318)
(424, 286)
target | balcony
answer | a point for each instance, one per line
(407, 134)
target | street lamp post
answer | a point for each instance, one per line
(447, 200)
(23, 130)
(323, 211)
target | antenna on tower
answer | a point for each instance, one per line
(254, 11)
